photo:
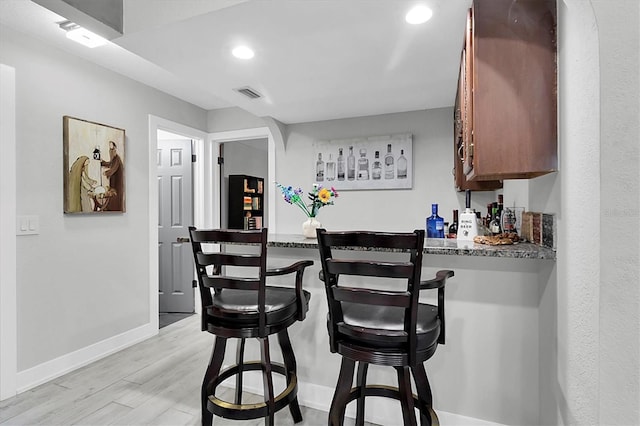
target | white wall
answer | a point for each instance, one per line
(84, 279)
(390, 210)
(233, 118)
(618, 345)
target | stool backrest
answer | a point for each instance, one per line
(403, 275)
(251, 277)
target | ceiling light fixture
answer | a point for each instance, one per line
(242, 52)
(81, 35)
(419, 15)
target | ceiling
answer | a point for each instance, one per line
(315, 59)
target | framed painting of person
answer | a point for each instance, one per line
(94, 167)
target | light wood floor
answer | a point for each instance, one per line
(156, 382)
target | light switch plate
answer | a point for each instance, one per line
(28, 225)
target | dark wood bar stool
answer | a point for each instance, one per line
(237, 303)
(381, 323)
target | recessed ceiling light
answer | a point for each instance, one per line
(81, 35)
(242, 52)
(419, 15)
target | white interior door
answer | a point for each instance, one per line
(175, 214)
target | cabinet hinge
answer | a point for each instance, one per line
(220, 160)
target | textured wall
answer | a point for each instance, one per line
(593, 374)
(579, 233)
(619, 309)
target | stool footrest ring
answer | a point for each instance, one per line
(392, 392)
(250, 411)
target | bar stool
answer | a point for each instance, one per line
(243, 306)
(382, 324)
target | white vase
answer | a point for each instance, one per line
(309, 227)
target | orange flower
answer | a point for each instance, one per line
(324, 195)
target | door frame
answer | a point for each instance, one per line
(212, 193)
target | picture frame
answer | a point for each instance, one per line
(94, 167)
(365, 163)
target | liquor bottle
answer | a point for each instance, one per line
(331, 169)
(469, 223)
(487, 219)
(500, 207)
(376, 169)
(483, 225)
(494, 226)
(351, 165)
(340, 165)
(508, 221)
(402, 165)
(319, 168)
(363, 165)
(388, 164)
(435, 224)
(453, 228)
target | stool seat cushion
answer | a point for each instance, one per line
(383, 326)
(241, 306)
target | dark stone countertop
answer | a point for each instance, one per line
(438, 246)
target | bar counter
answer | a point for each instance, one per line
(438, 246)
(490, 365)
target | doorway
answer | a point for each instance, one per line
(170, 257)
(243, 157)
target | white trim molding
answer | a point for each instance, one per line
(66, 363)
(8, 313)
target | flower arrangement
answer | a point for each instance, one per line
(319, 197)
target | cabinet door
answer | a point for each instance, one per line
(511, 69)
(459, 129)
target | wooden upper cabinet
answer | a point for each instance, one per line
(508, 102)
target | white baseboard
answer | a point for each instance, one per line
(57, 367)
(381, 411)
